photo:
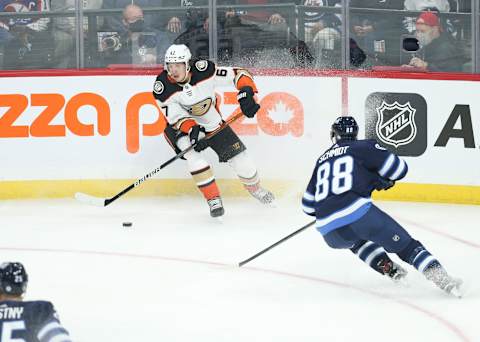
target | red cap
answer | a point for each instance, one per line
(428, 18)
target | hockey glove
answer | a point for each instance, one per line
(247, 102)
(384, 184)
(194, 135)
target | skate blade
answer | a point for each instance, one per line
(457, 291)
(402, 282)
(218, 219)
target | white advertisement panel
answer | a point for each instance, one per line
(109, 127)
(434, 124)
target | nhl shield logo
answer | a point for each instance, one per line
(396, 123)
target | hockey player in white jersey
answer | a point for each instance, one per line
(185, 91)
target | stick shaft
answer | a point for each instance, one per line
(168, 162)
(240, 264)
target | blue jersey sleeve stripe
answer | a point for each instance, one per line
(387, 165)
(308, 210)
(308, 196)
(51, 325)
(400, 171)
(60, 338)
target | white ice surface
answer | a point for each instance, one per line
(173, 276)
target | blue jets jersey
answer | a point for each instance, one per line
(34, 321)
(343, 179)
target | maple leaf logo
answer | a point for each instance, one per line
(280, 113)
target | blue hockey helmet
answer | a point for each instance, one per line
(344, 128)
(13, 279)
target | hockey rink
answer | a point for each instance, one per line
(173, 275)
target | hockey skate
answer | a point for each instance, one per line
(216, 207)
(393, 270)
(263, 195)
(440, 277)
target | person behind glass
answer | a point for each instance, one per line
(64, 30)
(121, 49)
(377, 34)
(27, 41)
(25, 321)
(437, 50)
(265, 18)
(185, 91)
(338, 195)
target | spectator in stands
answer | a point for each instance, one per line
(378, 34)
(323, 33)
(28, 42)
(64, 31)
(437, 50)
(136, 42)
(423, 5)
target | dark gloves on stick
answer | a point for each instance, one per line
(247, 102)
(194, 134)
(384, 184)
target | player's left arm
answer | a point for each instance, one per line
(243, 81)
(50, 328)
(387, 165)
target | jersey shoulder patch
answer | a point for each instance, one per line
(163, 88)
(202, 70)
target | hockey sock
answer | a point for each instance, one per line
(206, 182)
(418, 256)
(373, 255)
(252, 184)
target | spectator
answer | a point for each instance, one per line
(64, 30)
(323, 33)
(377, 33)
(136, 42)
(29, 42)
(266, 18)
(437, 50)
(423, 5)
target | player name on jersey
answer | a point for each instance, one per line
(335, 152)
(11, 313)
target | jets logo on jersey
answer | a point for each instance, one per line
(201, 65)
(158, 87)
(396, 125)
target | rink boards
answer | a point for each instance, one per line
(98, 132)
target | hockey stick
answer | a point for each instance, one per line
(240, 264)
(103, 202)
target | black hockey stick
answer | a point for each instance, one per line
(103, 202)
(240, 264)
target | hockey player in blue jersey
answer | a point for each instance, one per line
(25, 321)
(338, 195)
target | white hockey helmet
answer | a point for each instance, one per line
(178, 53)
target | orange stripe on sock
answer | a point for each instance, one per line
(210, 190)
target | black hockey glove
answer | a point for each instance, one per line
(247, 102)
(194, 134)
(384, 184)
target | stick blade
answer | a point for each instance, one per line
(88, 199)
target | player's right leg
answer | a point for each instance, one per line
(231, 149)
(200, 170)
(369, 252)
(379, 227)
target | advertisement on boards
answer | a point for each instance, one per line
(109, 127)
(435, 129)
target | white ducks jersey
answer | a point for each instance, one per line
(196, 98)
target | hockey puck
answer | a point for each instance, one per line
(127, 224)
